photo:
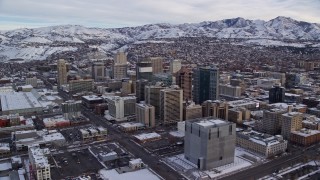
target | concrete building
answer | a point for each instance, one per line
(98, 72)
(238, 115)
(120, 58)
(264, 144)
(184, 81)
(209, 142)
(40, 167)
(119, 67)
(71, 109)
(145, 114)
(62, 72)
(127, 88)
(76, 86)
(271, 120)
(206, 84)
(278, 75)
(32, 81)
(152, 96)
(191, 111)
(217, 109)
(91, 101)
(229, 92)
(144, 70)
(140, 89)
(119, 71)
(121, 108)
(157, 64)
(23, 103)
(305, 137)
(175, 66)
(93, 133)
(276, 94)
(291, 121)
(171, 105)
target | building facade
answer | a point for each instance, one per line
(171, 105)
(276, 94)
(205, 84)
(209, 142)
(76, 86)
(184, 81)
(145, 114)
(62, 72)
(217, 109)
(291, 121)
(98, 72)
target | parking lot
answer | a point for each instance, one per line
(73, 163)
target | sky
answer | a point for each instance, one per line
(122, 13)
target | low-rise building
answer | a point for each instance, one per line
(264, 144)
(131, 126)
(238, 115)
(91, 100)
(305, 137)
(4, 149)
(92, 133)
(192, 111)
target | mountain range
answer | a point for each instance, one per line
(39, 43)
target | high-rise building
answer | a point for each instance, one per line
(32, 81)
(144, 70)
(121, 108)
(145, 114)
(271, 120)
(184, 81)
(171, 105)
(157, 64)
(98, 72)
(191, 111)
(76, 86)
(119, 68)
(229, 92)
(120, 58)
(175, 66)
(152, 96)
(216, 109)
(71, 109)
(276, 94)
(140, 86)
(205, 84)
(62, 72)
(291, 121)
(209, 142)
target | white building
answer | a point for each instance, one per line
(175, 66)
(264, 144)
(121, 108)
(40, 167)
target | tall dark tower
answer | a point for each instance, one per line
(276, 94)
(205, 84)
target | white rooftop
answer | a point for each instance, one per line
(143, 174)
(212, 122)
(18, 100)
(146, 136)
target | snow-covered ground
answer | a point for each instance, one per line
(142, 174)
(178, 134)
(189, 169)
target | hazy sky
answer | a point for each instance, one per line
(120, 13)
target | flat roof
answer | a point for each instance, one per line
(18, 100)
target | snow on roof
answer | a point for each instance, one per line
(18, 100)
(92, 97)
(131, 124)
(4, 147)
(38, 156)
(5, 166)
(145, 136)
(136, 161)
(306, 132)
(53, 137)
(259, 138)
(143, 174)
(212, 122)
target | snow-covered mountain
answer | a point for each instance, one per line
(39, 43)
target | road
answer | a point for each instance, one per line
(125, 141)
(274, 165)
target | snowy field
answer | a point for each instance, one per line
(243, 159)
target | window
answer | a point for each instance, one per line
(220, 158)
